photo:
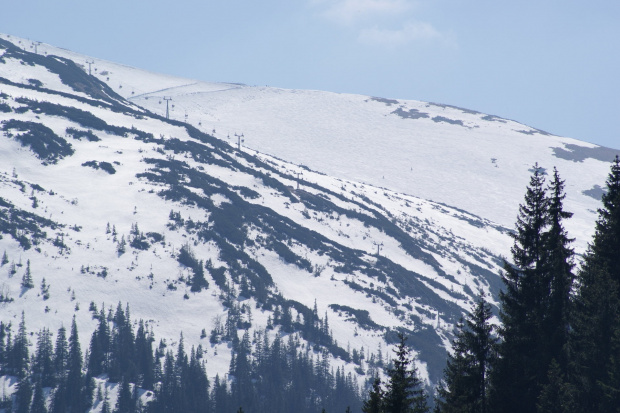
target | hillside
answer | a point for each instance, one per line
(325, 205)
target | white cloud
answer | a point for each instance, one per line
(385, 23)
(349, 12)
(410, 32)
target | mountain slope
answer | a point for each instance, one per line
(112, 202)
(412, 147)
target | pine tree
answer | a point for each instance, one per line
(27, 281)
(75, 395)
(557, 395)
(560, 278)
(3, 348)
(144, 357)
(374, 403)
(43, 366)
(522, 365)
(219, 396)
(105, 407)
(595, 338)
(125, 402)
(23, 395)
(198, 279)
(404, 392)
(61, 354)
(18, 358)
(99, 350)
(242, 391)
(466, 381)
(45, 289)
(122, 357)
(38, 400)
(121, 247)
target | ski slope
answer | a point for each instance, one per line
(450, 179)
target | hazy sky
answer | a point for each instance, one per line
(551, 64)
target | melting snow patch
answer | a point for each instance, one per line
(219, 199)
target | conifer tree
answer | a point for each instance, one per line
(122, 358)
(520, 371)
(125, 402)
(75, 396)
(595, 338)
(3, 348)
(404, 392)
(560, 278)
(219, 395)
(99, 350)
(242, 391)
(23, 395)
(27, 281)
(61, 354)
(38, 400)
(105, 407)
(374, 403)
(144, 357)
(18, 357)
(557, 395)
(59, 398)
(43, 366)
(198, 279)
(466, 377)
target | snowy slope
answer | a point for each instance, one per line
(477, 162)
(316, 235)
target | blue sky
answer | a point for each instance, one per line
(554, 65)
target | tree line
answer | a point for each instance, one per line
(267, 372)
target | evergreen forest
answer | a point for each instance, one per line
(556, 347)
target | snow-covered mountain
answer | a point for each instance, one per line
(287, 199)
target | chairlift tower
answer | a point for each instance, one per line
(89, 63)
(167, 99)
(379, 246)
(35, 44)
(240, 140)
(299, 175)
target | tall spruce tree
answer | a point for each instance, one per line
(75, 386)
(144, 357)
(535, 300)
(404, 393)
(61, 354)
(122, 357)
(466, 377)
(43, 365)
(99, 350)
(560, 278)
(595, 338)
(515, 378)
